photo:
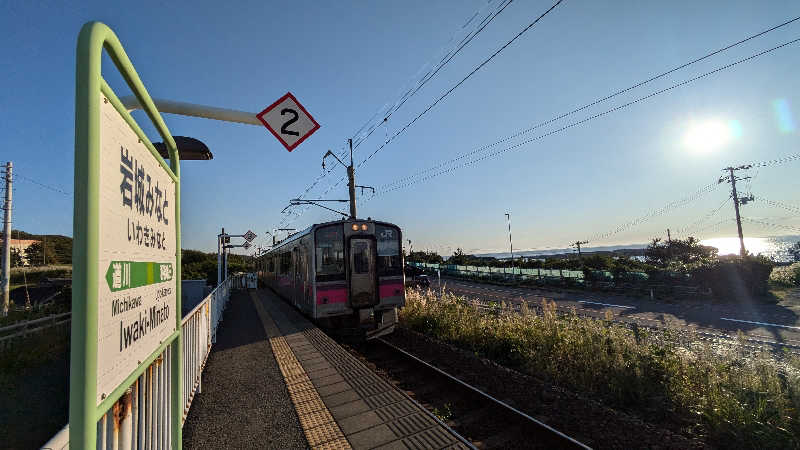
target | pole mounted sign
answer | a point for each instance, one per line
(288, 121)
(249, 236)
(126, 249)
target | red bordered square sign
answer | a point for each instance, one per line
(288, 121)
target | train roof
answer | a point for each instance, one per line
(312, 227)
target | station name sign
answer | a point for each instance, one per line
(137, 255)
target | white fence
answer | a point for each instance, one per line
(23, 329)
(140, 419)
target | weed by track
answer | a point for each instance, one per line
(730, 399)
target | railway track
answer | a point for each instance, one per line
(485, 421)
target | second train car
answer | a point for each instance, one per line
(346, 275)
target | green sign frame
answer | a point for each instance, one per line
(84, 412)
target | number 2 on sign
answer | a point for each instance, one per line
(284, 130)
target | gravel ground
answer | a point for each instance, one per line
(584, 419)
(244, 403)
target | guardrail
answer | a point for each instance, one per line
(23, 329)
(140, 419)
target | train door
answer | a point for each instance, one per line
(297, 278)
(363, 279)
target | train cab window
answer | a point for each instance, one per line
(361, 256)
(329, 253)
(389, 258)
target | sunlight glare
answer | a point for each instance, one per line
(707, 136)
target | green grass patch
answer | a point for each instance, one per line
(729, 397)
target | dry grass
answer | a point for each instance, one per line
(730, 398)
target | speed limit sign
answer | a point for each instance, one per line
(288, 121)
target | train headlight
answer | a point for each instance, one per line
(355, 227)
(363, 227)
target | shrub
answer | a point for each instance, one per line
(735, 278)
(787, 276)
(729, 397)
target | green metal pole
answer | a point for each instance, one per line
(83, 358)
(177, 344)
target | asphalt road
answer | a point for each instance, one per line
(773, 323)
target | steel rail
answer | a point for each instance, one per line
(538, 423)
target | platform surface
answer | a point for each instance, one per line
(244, 402)
(339, 402)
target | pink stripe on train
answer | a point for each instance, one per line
(331, 296)
(391, 290)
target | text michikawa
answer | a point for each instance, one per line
(133, 331)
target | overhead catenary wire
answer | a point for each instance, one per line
(455, 86)
(433, 73)
(392, 187)
(459, 83)
(420, 83)
(604, 99)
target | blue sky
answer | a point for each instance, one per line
(346, 60)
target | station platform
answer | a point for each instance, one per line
(335, 401)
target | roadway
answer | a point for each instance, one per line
(772, 323)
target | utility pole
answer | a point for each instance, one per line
(731, 178)
(219, 256)
(669, 243)
(511, 244)
(6, 280)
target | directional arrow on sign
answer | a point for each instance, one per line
(122, 275)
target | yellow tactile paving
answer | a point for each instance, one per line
(321, 431)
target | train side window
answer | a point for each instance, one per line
(271, 265)
(286, 262)
(389, 258)
(329, 253)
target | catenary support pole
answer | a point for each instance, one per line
(6, 280)
(351, 182)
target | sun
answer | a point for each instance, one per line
(707, 135)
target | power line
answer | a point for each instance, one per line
(776, 204)
(603, 99)
(655, 213)
(686, 230)
(592, 117)
(774, 225)
(455, 86)
(46, 186)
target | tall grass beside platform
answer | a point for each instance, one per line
(730, 397)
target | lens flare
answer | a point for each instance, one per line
(784, 115)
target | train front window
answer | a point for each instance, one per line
(389, 258)
(329, 253)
